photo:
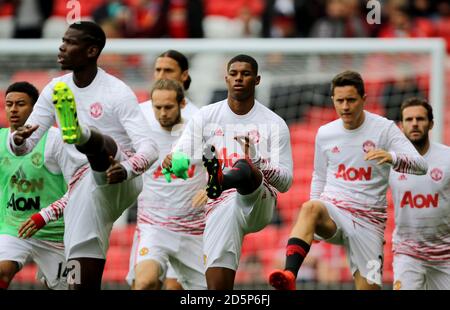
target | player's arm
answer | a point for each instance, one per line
(278, 170)
(191, 139)
(405, 158)
(137, 128)
(38, 220)
(319, 176)
(41, 119)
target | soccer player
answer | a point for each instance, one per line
(27, 184)
(253, 145)
(352, 161)
(171, 65)
(421, 240)
(169, 227)
(101, 122)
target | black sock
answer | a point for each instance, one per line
(238, 177)
(296, 251)
(98, 149)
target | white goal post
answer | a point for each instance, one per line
(435, 48)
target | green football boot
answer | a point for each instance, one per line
(66, 111)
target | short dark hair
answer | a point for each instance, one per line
(415, 101)
(348, 78)
(182, 62)
(24, 87)
(93, 33)
(169, 85)
(244, 58)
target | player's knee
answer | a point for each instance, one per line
(7, 272)
(141, 283)
(310, 211)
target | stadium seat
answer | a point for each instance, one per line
(122, 236)
(37, 78)
(116, 267)
(27, 274)
(3, 121)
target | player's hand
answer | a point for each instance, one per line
(116, 173)
(199, 199)
(27, 229)
(382, 155)
(167, 162)
(248, 147)
(24, 132)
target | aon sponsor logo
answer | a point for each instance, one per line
(354, 174)
(26, 186)
(24, 204)
(419, 201)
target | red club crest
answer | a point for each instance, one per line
(96, 110)
(368, 146)
(436, 174)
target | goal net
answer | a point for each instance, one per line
(295, 83)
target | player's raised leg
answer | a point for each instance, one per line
(313, 218)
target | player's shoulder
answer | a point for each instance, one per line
(378, 120)
(269, 114)
(213, 107)
(145, 105)
(330, 127)
(190, 106)
(441, 149)
(111, 80)
(66, 78)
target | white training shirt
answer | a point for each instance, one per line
(217, 124)
(56, 159)
(343, 177)
(422, 209)
(170, 204)
(107, 104)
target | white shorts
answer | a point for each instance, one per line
(49, 257)
(230, 221)
(171, 274)
(414, 274)
(91, 211)
(184, 252)
(364, 246)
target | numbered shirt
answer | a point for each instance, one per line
(422, 209)
(216, 124)
(343, 177)
(170, 204)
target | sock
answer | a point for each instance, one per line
(85, 135)
(3, 285)
(237, 177)
(296, 251)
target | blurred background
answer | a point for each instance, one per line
(295, 84)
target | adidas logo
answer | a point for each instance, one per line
(402, 177)
(218, 132)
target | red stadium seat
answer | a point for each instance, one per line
(117, 260)
(27, 274)
(122, 236)
(37, 78)
(3, 120)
